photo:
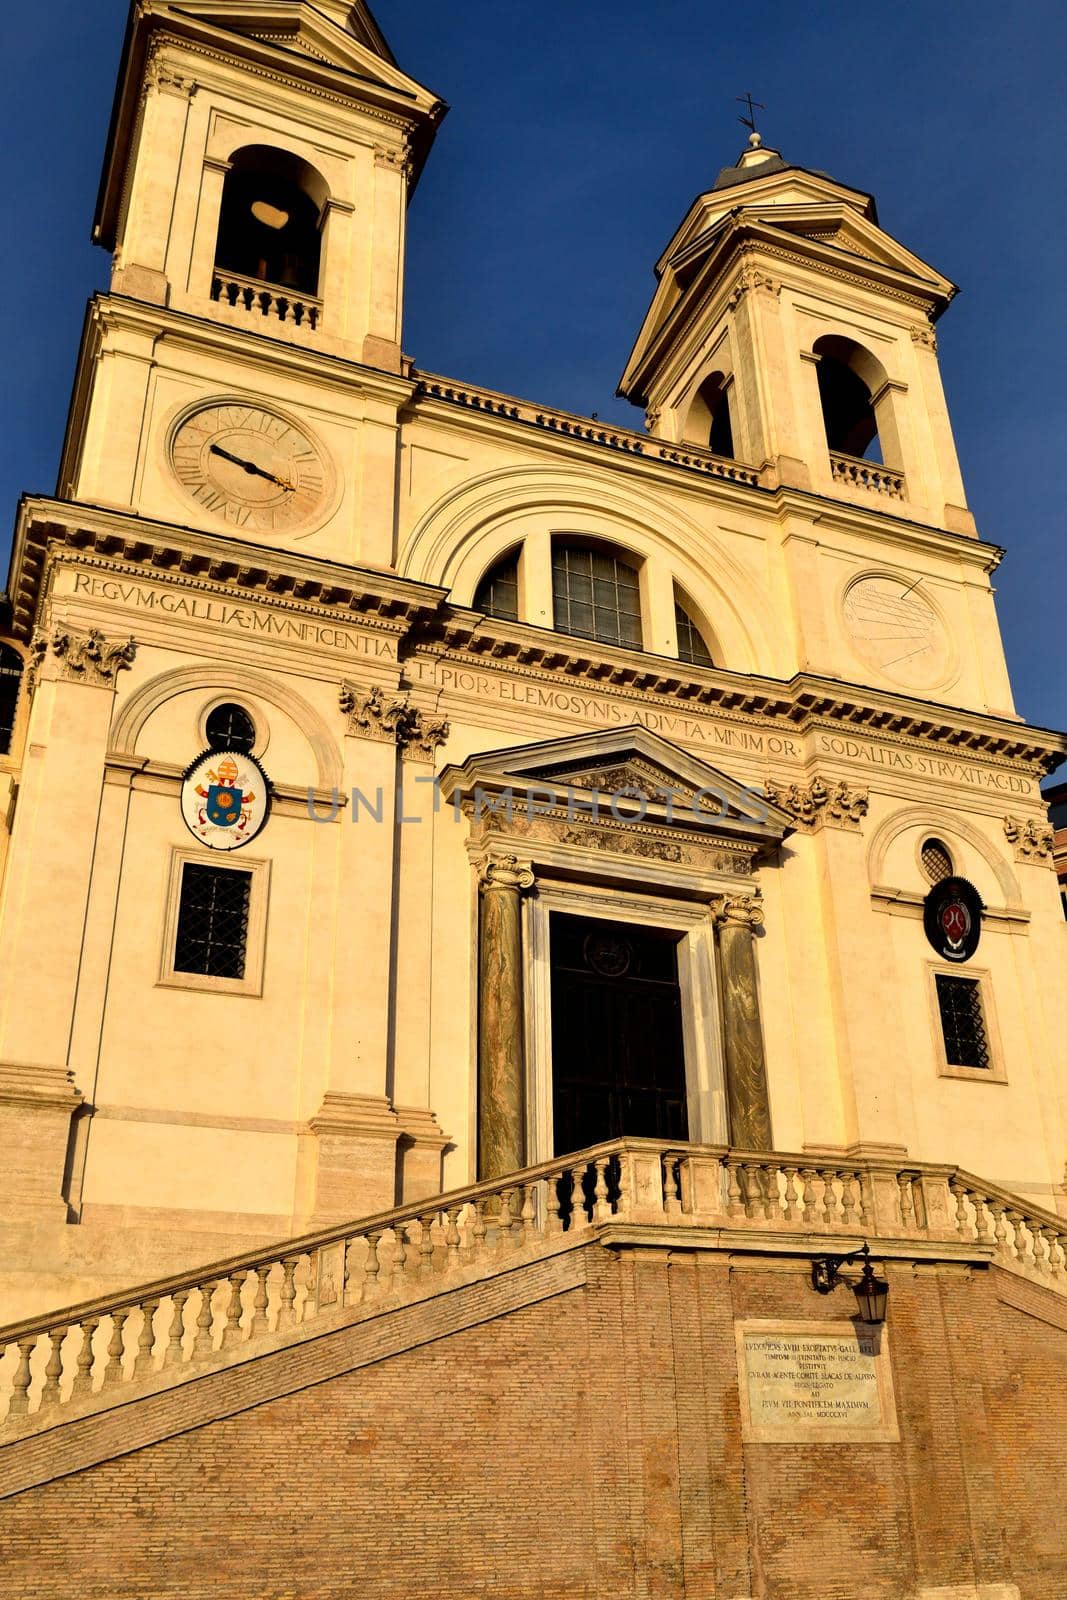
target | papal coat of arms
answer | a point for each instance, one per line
(225, 799)
(952, 918)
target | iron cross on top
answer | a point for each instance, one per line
(753, 106)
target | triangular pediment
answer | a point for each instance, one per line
(634, 773)
(334, 47)
(790, 213)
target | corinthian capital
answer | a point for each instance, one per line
(371, 713)
(82, 657)
(504, 872)
(737, 910)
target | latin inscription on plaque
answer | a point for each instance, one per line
(806, 1381)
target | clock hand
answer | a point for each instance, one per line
(250, 467)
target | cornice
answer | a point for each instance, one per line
(506, 416)
(425, 625)
(803, 702)
(125, 544)
(304, 75)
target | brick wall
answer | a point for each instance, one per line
(586, 1444)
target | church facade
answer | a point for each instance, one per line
(406, 786)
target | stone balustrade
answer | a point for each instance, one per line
(860, 474)
(266, 300)
(97, 1353)
(567, 424)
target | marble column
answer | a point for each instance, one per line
(736, 918)
(501, 1051)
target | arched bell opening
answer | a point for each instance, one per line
(708, 420)
(270, 222)
(850, 382)
(11, 670)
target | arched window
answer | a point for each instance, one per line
(229, 727)
(937, 863)
(11, 665)
(272, 206)
(596, 595)
(691, 645)
(498, 592)
(708, 421)
(849, 378)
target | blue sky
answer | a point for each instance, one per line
(577, 137)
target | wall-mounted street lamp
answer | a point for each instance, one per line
(872, 1293)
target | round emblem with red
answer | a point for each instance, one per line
(952, 918)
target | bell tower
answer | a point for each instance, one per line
(791, 331)
(260, 160)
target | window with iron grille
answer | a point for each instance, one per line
(596, 596)
(937, 863)
(10, 679)
(212, 936)
(959, 1001)
(691, 646)
(498, 593)
(229, 727)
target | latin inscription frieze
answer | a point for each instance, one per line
(240, 618)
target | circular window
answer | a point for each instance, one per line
(937, 863)
(229, 727)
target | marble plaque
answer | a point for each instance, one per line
(812, 1382)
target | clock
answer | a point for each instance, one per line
(250, 466)
(894, 628)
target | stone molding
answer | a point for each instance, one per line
(419, 1125)
(41, 1087)
(1032, 841)
(818, 804)
(740, 910)
(82, 657)
(366, 1115)
(374, 714)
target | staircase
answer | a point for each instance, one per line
(94, 1357)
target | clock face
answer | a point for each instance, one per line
(250, 467)
(893, 627)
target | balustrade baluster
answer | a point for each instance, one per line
(791, 1197)
(734, 1206)
(479, 1228)
(204, 1344)
(146, 1340)
(848, 1208)
(808, 1175)
(672, 1203)
(400, 1257)
(768, 1182)
(371, 1270)
(1042, 1251)
(232, 1333)
(426, 1244)
(260, 1301)
(452, 1238)
(83, 1377)
(963, 1221)
(981, 1217)
(905, 1200)
(174, 1352)
(1058, 1254)
(829, 1197)
(866, 1212)
(749, 1188)
(1000, 1232)
(53, 1372)
(528, 1213)
(552, 1206)
(504, 1218)
(1022, 1247)
(601, 1203)
(20, 1388)
(116, 1349)
(577, 1219)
